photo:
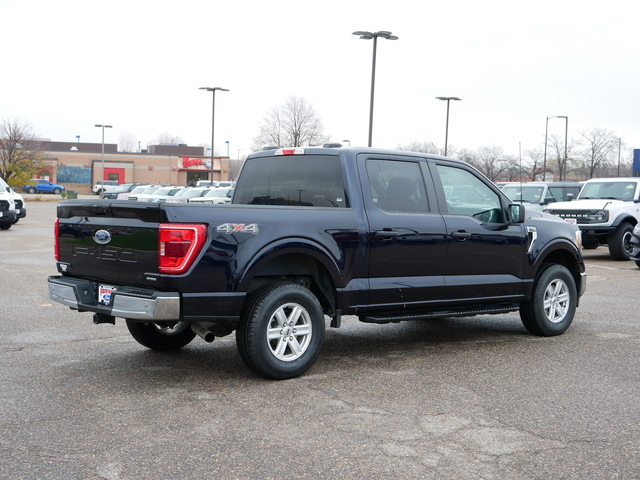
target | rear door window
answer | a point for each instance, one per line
(397, 186)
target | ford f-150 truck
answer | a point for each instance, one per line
(314, 234)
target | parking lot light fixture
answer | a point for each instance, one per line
(103, 172)
(446, 130)
(364, 35)
(213, 119)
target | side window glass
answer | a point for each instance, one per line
(555, 194)
(467, 194)
(397, 186)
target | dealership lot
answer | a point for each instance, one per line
(466, 398)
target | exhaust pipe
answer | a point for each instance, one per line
(203, 332)
(99, 318)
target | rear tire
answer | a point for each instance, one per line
(552, 305)
(31, 190)
(161, 335)
(620, 242)
(281, 332)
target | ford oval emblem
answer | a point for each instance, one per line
(102, 237)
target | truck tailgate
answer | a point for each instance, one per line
(109, 241)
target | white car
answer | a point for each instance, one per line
(160, 195)
(133, 194)
(184, 196)
(7, 206)
(217, 195)
(21, 207)
(109, 186)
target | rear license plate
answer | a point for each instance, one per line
(105, 293)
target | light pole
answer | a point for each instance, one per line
(102, 181)
(546, 131)
(369, 36)
(446, 132)
(213, 119)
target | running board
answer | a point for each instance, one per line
(461, 312)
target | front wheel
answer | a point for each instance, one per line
(281, 332)
(57, 191)
(161, 335)
(620, 242)
(552, 305)
(31, 190)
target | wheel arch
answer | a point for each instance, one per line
(623, 218)
(560, 254)
(302, 262)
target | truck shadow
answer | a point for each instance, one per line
(353, 347)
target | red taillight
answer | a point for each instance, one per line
(56, 233)
(179, 245)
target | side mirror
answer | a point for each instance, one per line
(570, 197)
(516, 213)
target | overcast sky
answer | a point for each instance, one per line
(137, 65)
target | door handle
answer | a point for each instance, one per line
(387, 233)
(461, 235)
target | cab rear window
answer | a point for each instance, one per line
(298, 180)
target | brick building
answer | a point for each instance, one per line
(78, 166)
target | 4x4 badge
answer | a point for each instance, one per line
(102, 237)
(238, 228)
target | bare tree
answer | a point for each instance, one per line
(598, 146)
(531, 167)
(423, 147)
(294, 124)
(466, 155)
(490, 161)
(556, 147)
(511, 168)
(166, 138)
(20, 155)
(128, 142)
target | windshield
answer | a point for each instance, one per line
(524, 193)
(608, 191)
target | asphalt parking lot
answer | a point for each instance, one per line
(475, 398)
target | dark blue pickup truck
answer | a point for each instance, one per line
(313, 232)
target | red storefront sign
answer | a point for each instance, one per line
(190, 162)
